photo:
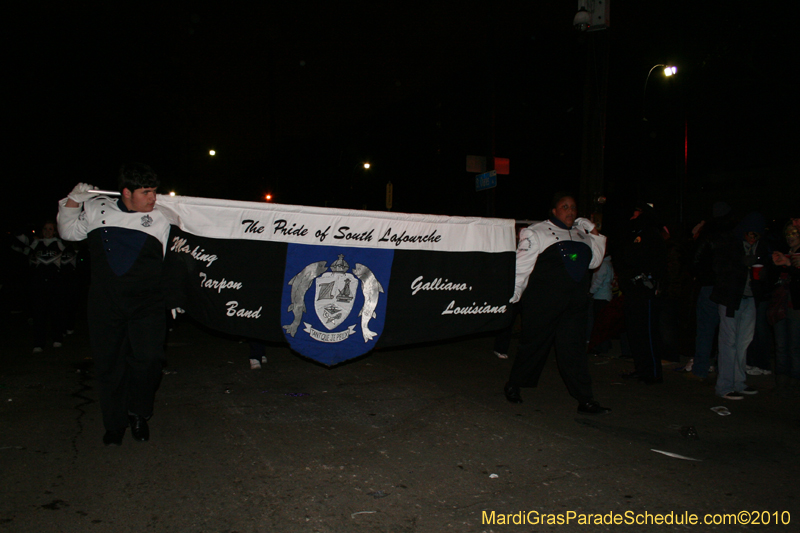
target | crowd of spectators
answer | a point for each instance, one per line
(718, 303)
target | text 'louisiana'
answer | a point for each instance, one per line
(474, 309)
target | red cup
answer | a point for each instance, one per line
(757, 271)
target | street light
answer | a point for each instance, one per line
(365, 166)
(669, 70)
(354, 183)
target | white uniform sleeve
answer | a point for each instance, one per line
(71, 225)
(528, 252)
(598, 249)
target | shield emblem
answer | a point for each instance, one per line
(334, 297)
(349, 306)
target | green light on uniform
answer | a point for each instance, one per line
(573, 257)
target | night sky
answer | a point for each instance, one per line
(295, 98)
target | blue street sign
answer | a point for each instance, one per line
(486, 180)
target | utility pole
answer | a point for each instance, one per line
(592, 18)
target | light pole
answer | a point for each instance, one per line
(595, 105)
(669, 70)
(592, 17)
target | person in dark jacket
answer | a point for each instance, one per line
(736, 291)
(786, 314)
(707, 314)
(641, 267)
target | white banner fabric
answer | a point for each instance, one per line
(229, 219)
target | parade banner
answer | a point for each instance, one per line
(336, 283)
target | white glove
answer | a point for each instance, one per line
(81, 193)
(585, 224)
(177, 311)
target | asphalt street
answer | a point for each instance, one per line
(419, 439)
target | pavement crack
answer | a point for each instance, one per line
(83, 371)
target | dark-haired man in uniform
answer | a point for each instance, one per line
(127, 240)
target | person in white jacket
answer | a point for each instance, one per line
(127, 322)
(553, 274)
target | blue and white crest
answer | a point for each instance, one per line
(342, 317)
(335, 294)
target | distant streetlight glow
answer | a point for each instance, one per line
(366, 165)
(172, 193)
(669, 70)
(268, 197)
(212, 152)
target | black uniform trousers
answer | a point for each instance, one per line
(127, 332)
(554, 313)
(644, 336)
(502, 342)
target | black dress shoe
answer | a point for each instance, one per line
(592, 408)
(512, 393)
(114, 437)
(139, 429)
(651, 380)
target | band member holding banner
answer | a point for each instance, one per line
(554, 259)
(127, 240)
